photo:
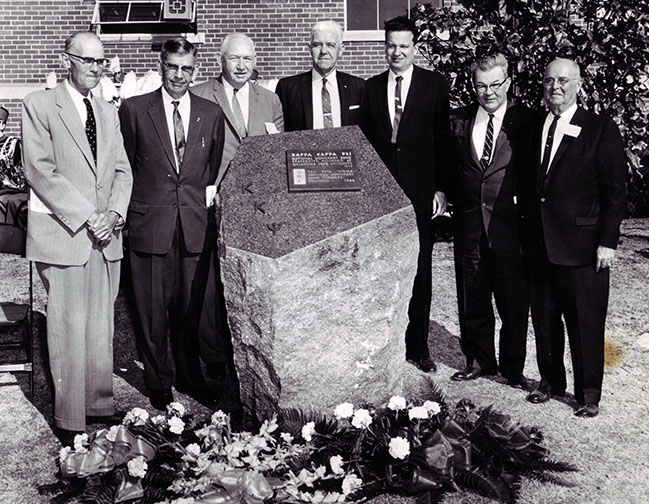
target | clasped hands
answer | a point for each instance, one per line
(102, 224)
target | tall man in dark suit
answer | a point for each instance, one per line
(487, 246)
(174, 141)
(80, 183)
(574, 200)
(405, 115)
(250, 110)
(322, 97)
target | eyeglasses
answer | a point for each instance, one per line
(88, 62)
(563, 81)
(494, 86)
(171, 68)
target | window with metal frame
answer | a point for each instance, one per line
(145, 16)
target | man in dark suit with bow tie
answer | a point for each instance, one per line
(174, 141)
(573, 195)
(323, 97)
(485, 214)
(405, 116)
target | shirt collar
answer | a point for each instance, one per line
(229, 89)
(567, 114)
(407, 74)
(316, 77)
(499, 113)
(74, 92)
(167, 98)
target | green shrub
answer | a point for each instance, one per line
(608, 38)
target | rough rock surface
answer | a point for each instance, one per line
(317, 309)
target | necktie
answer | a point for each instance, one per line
(545, 162)
(398, 109)
(91, 129)
(239, 123)
(488, 143)
(179, 133)
(326, 106)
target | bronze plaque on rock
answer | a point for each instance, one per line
(322, 170)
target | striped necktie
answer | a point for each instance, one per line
(239, 123)
(398, 109)
(327, 118)
(488, 143)
(179, 133)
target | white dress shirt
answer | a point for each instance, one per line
(334, 98)
(77, 99)
(184, 107)
(243, 97)
(565, 118)
(479, 133)
(405, 86)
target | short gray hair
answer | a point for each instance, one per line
(328, 25)
(488, 62)
(232, 36)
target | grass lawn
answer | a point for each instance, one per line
(611, 450)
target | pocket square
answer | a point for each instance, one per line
(354, 107)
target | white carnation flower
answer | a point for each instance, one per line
(137, 467)
(344, 410)
(397, 403)
(362, 419)
(80, 442)
(433, 407)
(286, 437)
(350, 483)
(194, 449)
(308, 430)
(176, 425)
(137, 416)
(111, 435)
(336, 463)
(175, 409)
(159, 420)
(418, 412)
(219, 418)
(63, 453)
(399, 447)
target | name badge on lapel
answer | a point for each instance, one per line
(571, 130)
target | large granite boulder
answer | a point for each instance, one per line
(316, 284)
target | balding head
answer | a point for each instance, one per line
(84, 60)
(561, 84)
(237, 59)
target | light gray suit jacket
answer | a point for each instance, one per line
(264, 107)
(66, 184)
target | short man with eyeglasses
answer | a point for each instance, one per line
(574, 199)
(80, 183)
(323, 97)
(174, 141)
(250, 110)
(487, 253)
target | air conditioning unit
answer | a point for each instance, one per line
(145, 16)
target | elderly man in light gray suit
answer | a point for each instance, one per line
(250, 110)
(80, 180)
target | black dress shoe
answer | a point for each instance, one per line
(517, 382)
(426, 365)
(65, 436)
(161, 398)
(114, 419)
(538, 396)
(588, 410)
(468, 373)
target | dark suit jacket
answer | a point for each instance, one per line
(422, 149)
(581, 201)
(160, 194)
(486, 200)
(296, 96)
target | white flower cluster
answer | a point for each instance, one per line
(361, 418)
(137, 467)
(429, 408)
(176, 425)
(176, 409)
(137, 417)
(308, 430)
(399, 447)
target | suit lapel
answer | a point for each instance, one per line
(343, 92)
(157, 114)
(306, 95)
(501, 141)
(103, 135)
(383, 102)
(414, 91)
(222, 99)
(255, 123)
(195, 128)
(70, 117)
(566, 141)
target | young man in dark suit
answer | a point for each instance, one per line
(485, 215)
(174, 141)
(323, 97)
(573, 195)
(405, 115)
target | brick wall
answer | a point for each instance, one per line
(33, 33)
